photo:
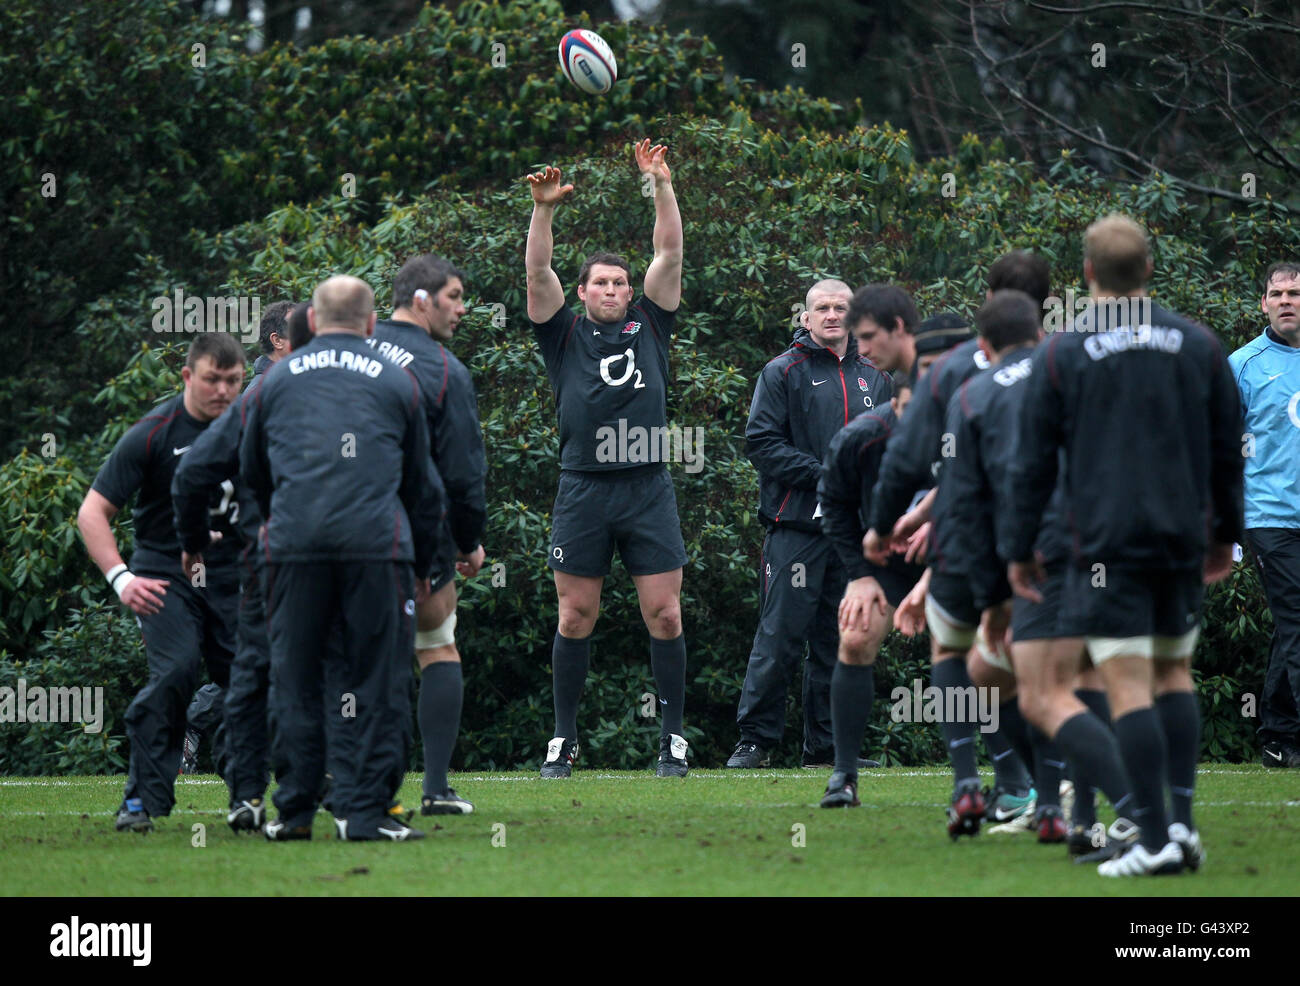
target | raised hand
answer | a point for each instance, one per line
(546, 187)
(652, 160)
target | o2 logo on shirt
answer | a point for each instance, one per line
(1293, 409)
(229, 506)
(628, 371)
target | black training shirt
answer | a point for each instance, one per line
(144, 461)
(603, 374)
(451, 411)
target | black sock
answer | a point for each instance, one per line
(1009, 770)
(1180, 715)
(569, 659)
(853, 689)
(1096, 702)
(1013, 723)
(1142, 746)
(959, 736)
(441, 690)
(1047, 769)
(1085, 794)
(1093, 750)
(668, 662)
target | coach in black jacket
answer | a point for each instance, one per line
(336, 449)
(803, 398)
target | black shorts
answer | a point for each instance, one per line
(444, 559)
(1038, 621)
(635, 510)
(898, 578)
(953, 594)
(1128, 603)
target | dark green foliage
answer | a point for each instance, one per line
(775, 190)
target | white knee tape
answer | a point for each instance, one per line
(442, 636)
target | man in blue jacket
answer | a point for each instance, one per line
(1267, 371)
(802, 399)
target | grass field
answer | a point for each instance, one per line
(626, 833)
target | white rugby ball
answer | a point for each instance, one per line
(588, 62)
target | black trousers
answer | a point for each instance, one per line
(363, 688)
(1277, 552)
(801, 584)
(196, 625)
(247, 739)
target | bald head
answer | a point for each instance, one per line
(1116, 255)
(343, 304)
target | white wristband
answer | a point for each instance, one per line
(119, 577)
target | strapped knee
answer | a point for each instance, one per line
(443, 635)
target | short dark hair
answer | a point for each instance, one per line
(1009, 318)
(883, 303)
(609, 260)
(427, 272)
(299, 329)
(1289, 267)
(939, 333)
(902, 381)
(1021, 270)
(224, 349)
(273, 324)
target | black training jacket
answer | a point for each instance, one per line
(336, 449)
(984, 420)
(1150, 420)
(802, 399)
(914, 454)
(212, 463)
(451, 410)
(848, 475)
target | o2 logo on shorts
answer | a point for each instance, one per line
(409, 608)
(558, 554)
(628, 371)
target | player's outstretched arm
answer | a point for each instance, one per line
(663, 278)
(545, 292)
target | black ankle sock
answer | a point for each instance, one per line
(853, 688)
(1142, 745)
(441, 690)
(1180, 716)
(959, 736)
(569, 659)
(668, 662)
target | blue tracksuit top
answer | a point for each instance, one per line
(1267, 372)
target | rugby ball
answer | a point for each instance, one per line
(587, 61)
